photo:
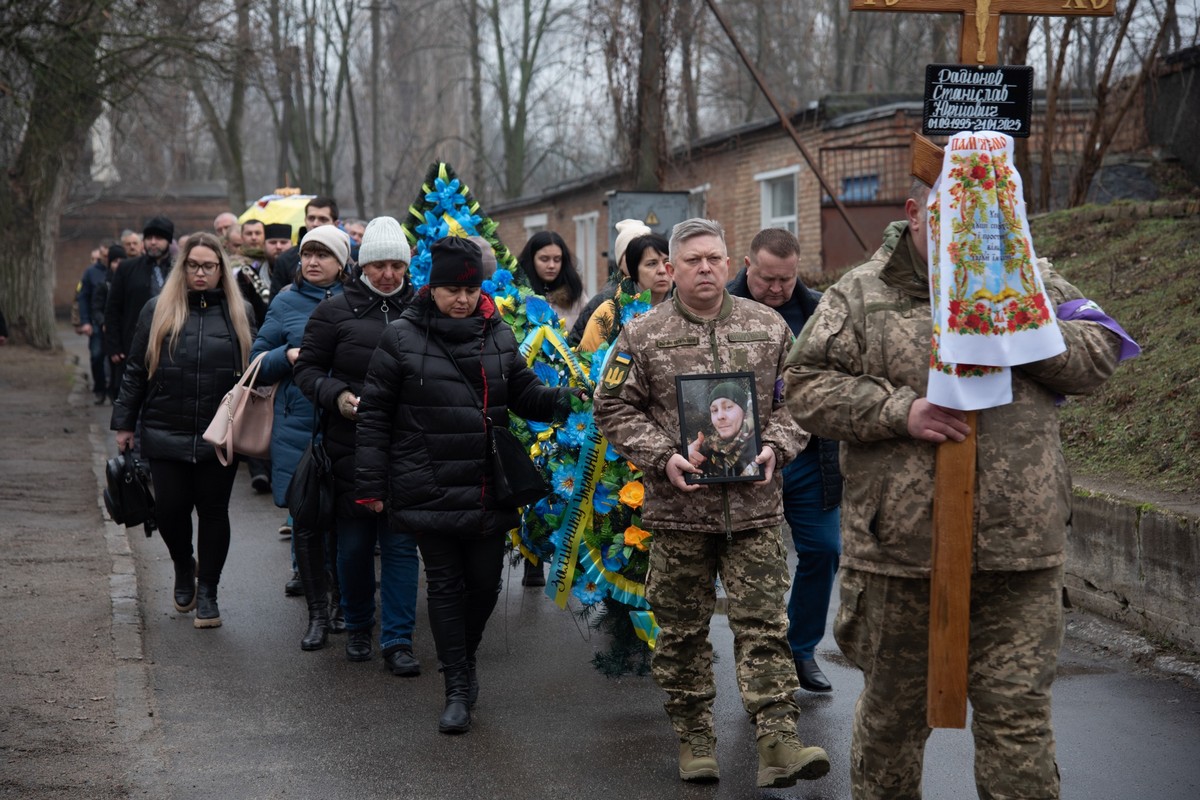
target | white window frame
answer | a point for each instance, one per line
(585, 248)
(534, 223)
(766, 180)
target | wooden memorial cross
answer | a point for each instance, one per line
(954, 481)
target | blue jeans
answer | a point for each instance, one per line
(399, 568)
(816, 535)
(99, 362)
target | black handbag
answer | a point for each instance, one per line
(129, 492)
(516, 481)
(310, 493)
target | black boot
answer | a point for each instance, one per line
(358, 645)
(472, 683)
(533, 575)
(456, 718)
(337, 623)
(185, 585)
(207, 613)
(310, 563)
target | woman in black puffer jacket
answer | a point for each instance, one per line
(422, 450)
(189, 348)
(339, 340)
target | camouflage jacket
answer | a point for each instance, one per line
(853, 375)
(637, 409)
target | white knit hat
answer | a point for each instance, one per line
(384, 241)
(332, 238)
(627, 231)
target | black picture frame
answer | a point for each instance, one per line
(734, 462)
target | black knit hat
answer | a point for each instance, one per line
(456, 262)
(160, 225)
(730, 391)
(115, 251)
(277, 230)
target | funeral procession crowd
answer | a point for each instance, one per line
(742, 397)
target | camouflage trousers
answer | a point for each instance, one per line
(680, 586)
(1016, 631)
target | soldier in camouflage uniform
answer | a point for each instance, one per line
(702, 530)
(858, 373)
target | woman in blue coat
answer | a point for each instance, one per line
(323, 254)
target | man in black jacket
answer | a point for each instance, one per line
(135, 282)
(812, 484)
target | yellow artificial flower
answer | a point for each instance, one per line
(636, 537)
(504, 304)
(632, 494)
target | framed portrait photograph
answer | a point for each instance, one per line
(718, 426)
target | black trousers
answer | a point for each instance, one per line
(180, 487)
(462, 574)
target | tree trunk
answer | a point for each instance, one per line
(687, 21)
(650, 133)
(1016, 48)
(1047, 167)
(479, 184)
(64, 102)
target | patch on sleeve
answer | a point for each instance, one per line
(616, 371)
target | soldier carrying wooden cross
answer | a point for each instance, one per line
(862, 372)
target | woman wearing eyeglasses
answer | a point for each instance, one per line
(323, 254)
(191, 344)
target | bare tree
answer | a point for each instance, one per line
(233, 74)
(1114, 100)
(60, 63)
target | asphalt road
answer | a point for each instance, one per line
(242, 712)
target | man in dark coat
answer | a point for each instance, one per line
(135, 282)
(812, 484)
(319, 211)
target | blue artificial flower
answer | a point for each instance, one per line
(468, 221)
(538, 427)
(418, 269)
(546, 373)
(598, 358)
(609, 453)
(539, 311)
(587, 592)
(502, 277)
(547, 506)
(489, 287)
(445, 196)
(614, 556)
(574, 430)
(633, 309)
(434, 227)
(603, 499)
(565, 479)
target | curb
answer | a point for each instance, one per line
(135, 706)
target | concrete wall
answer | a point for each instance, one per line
(1136, 564)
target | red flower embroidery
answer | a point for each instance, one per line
(1021, 318)
(973, 321)
(988, 184)
(979, 173)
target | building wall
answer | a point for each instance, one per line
(101, 220)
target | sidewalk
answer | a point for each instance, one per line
(61, 728)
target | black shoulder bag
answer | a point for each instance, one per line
(129, 493)
(310, 494)
(516, 481)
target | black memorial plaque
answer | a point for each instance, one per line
(959, 97)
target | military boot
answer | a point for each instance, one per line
(783, 760)
(698, 757)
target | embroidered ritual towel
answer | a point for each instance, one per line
(990, 309)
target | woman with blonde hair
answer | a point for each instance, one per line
(190, 347)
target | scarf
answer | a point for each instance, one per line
(990, 309)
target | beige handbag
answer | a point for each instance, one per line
(242, 424)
